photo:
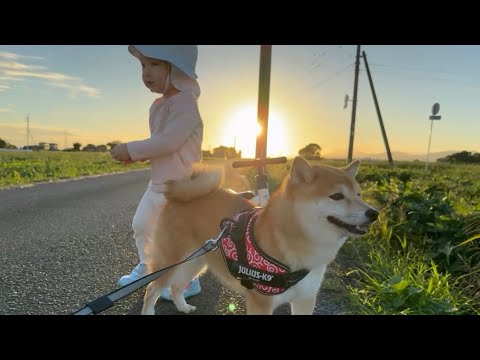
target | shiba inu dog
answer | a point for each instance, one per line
(288, 244)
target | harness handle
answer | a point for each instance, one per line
(259, 162)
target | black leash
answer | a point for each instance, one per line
(106, 301)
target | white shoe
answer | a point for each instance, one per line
(193, 288)
(139, 271)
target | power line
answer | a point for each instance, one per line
(346, 54)
(333, 76)
(424, 77)
(33, 140)
(413, 69)
(315, 63)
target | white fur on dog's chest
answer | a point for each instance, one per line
(306, 288)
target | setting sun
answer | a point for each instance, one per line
(242, 129)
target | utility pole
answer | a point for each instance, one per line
(262, 119)
(354, 106)
(263, 100)
(390, 159)
(28, 130)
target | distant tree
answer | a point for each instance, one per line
(6, 145)
(463, 157)
(311, 152)
(76, 146)
(102, 148)
(112, 144)
(90, 148)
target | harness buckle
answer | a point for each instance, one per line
(212, 244)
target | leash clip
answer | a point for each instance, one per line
(212, 244)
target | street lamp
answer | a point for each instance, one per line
(434, 116)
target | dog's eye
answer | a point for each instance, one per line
(337, 196)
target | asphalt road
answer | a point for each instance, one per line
(63, 244)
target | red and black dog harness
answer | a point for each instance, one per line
(248, 263)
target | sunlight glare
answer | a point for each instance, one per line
(243, 129)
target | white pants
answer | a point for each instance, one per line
(146, 216)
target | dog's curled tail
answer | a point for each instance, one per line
(203, 181)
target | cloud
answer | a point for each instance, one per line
(11, 78)
(14, 65)
(13, 56)
(12, 70)
(4, 109)
(40, 75)
(75, 89)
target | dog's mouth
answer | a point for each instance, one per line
(354, 229)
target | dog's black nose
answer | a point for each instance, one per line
(372, 214)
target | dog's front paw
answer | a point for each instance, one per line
(148, 311)
(187, 308)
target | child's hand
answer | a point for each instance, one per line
(120, 153)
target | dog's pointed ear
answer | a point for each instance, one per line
(301, 171)
(352, 168)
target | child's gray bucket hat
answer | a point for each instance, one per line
(184, 57)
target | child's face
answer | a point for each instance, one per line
(154, 73)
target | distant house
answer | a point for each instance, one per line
(43, 146)
(102, 148)
(224, 152)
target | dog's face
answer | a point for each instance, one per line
(329, 198)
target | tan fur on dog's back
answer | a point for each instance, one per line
(203, 181)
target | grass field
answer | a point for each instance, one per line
(422, 256)
(19, 168)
